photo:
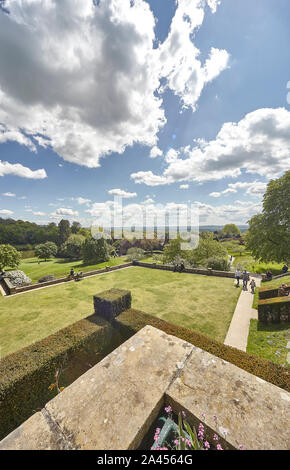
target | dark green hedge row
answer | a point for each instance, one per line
(25, 376)
(112, 302)
(131, 321)
(276, 310)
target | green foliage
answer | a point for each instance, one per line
(135, 253)
(9, 257)
(75, 228)
(268, 236)
(64, 232)
(207, 248)
(231, 230)
(219, 264)
(46, 250)
(173, 251)
(95, 251)
(20, 233)
(72, 248)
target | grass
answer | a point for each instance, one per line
(246, 261)
(61, 267)
(193, 301)
(276, 282)
(269, 341)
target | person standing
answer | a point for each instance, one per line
(245, 280)
(253, 285)
(238, 276)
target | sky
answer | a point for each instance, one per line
(164, 103)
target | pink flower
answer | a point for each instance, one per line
(206, 445)
(168, 409)
(215, 437)
(219, 447)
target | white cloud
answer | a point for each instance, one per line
(155, 152)
(64, 211)
(38, 213)
(184, 186)
(82, 77)
(254, 189)
(6, 212)
(82, 200)
(259, 143)
(17, 169)
(121, 193)
(9, 194)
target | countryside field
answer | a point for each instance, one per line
(193, 301)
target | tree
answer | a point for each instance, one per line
(207, 248)
(135, 253)
(64, 232)
(46, 250)
(72, 248)
(9, 257)
(231, 230)
(95, 251)
(268, 236)
(75, 228)
(173, 250)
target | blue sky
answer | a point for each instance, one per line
(80, 116)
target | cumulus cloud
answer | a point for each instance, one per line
(84, 77)
(121, 193)
(64, 211)
(254, 189)
(6, 212)
(259, 143)
(155, 152)
(17, 169)
(184, 186)
(9, 194)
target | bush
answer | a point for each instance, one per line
(135, 253)
(47, 278)
(219, 264)
(18, 278)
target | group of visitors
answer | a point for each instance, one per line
(285, 269)
(283, 290)
(244, 276)
(179, 268)
(75, 276)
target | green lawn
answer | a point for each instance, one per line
(246, 261)
(61, 267)
(199, 302)
(269, 341)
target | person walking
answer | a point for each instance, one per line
(245, 280)
(253, 286)
(238, 276)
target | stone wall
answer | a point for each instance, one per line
(205, 272)
(143, 375)
(270, 292)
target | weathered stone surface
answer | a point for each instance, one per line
(113, 405)
(35, 434)
(254, 413)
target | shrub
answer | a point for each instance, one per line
(47, 278)
(135, 253)
(219, 264)
(18, 278)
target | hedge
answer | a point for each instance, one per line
(25, 376)
(131, 321)
(274, 310)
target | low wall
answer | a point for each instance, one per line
(205, 272)
(114, 405)
(270, 292)
(279, 276)
(17, 290)
(276, 310)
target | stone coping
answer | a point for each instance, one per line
(113, 405)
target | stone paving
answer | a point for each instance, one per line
(237, 335)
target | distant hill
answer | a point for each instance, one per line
(213, 228)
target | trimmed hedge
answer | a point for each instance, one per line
(25, 376)
(270, 292)
(112, 302)
(275, 310)
(131, 321)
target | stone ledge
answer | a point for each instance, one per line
(113, 405)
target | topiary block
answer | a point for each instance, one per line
(111, 303)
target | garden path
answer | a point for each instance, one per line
(237, 335)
